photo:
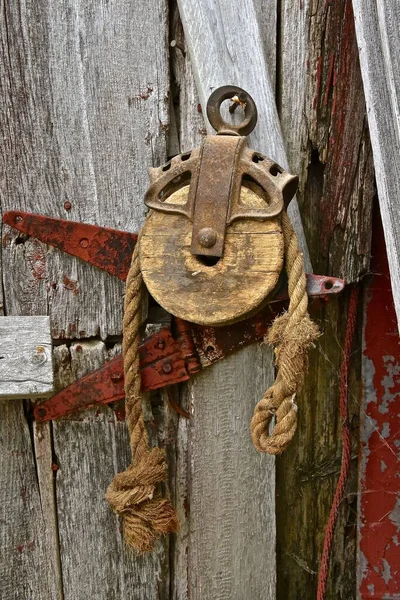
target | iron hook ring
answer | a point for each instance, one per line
(214, 113)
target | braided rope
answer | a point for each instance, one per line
(134, 494)
(293, 333)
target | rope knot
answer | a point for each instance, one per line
(133, 495)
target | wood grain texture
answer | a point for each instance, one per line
(232, 516)
(210, 295)
(84, 114)
(324, 123)
(26, 366)
(26, 566)
(213, 443)
(46, 472)
(225, 47)
(378, 30)
(89, 450)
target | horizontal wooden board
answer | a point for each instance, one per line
(26, 366)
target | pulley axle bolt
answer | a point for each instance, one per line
(207, 237)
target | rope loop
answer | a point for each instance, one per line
(292, 334)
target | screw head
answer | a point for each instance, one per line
(207, 237)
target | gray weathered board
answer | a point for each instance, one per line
(26, 362)
(84, 104)
(378, 31)
(85, 96)
(228, 528)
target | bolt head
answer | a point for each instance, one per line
(207, 237)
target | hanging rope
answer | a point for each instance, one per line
(134, 494)
(346, 445)
(293, 333)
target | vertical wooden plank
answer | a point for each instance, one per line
(84, 113)
(225, 48)
(323, 120)
(378, 30)
(26, 567)
(89, 449)
(223, 489)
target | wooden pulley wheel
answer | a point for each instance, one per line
(211, 249)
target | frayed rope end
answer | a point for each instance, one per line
(133, 495)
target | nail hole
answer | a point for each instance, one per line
(166, 167)
(257, 158)
(275, 170)
(185, 156)
(328, 285)
(210, 349)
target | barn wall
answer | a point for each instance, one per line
(90, 97)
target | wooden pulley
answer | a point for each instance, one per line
(211, 249)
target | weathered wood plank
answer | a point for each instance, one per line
(46, 469)
(89, 449)
(324, 123)
(225, 538)
(226, 48)
(378, 30)
(26, 365)
(84, 90)
(323, 120)
(26, 567)
(84, 114)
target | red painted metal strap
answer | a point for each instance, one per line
(164, 360)
(108, 249)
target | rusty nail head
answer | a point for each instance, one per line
(84, 243)
(67, 205)
(18, 219)
(161, 344)
(207, 237)
(42, 412)
(167, 367)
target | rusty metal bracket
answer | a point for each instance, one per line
(108, 249)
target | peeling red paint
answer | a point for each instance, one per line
(380, 437)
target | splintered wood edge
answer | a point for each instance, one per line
(26, 365)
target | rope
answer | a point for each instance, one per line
(293, 333)
(134, 494)
(346, 446)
